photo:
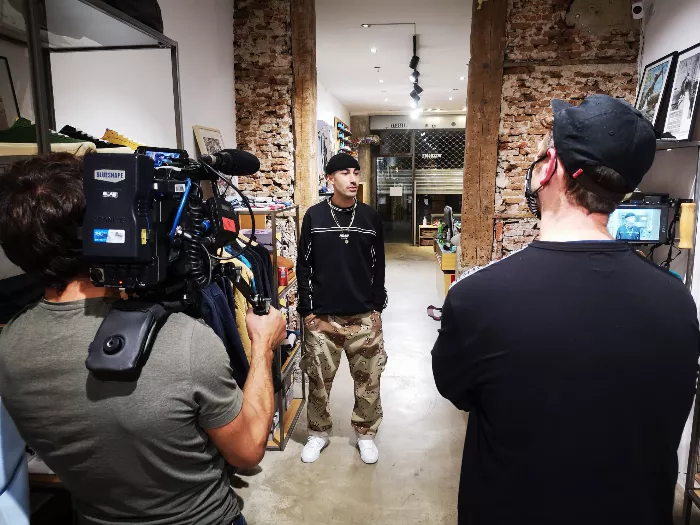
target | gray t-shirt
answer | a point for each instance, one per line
(129, 452)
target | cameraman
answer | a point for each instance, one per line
(152, 450)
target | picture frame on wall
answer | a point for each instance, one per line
(9, 107)
(654, 87)
(209, 140)
(683, 106)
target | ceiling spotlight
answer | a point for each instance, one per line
(413, 64)
(461, 78)
(381, 81)
(373, 50)
(417, 89)
(464, 108)
(414, 104)
(366, 25)
(450, 98)
(414, 76)
(386, 100)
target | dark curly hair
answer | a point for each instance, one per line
(42, 205)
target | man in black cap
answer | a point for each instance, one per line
(575, 357)
(340, 272)
(629, 231)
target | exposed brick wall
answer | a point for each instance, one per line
(541, 30)
(263, 86)
(552, 50)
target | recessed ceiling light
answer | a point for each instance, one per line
(450, 98)
(386, 100)
(366, 25)
(373, 50)
(461, 78)
(381, 81)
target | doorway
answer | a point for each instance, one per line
(395, 197)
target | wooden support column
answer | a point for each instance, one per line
(359, 125)
(303, 21)
(488, 40)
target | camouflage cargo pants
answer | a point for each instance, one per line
(325, 338)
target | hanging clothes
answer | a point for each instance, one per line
(217, 313)
(241, 305)
(264, 255)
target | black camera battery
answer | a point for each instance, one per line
(118, 190)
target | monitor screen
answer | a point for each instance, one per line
(159, 157)
(642, 224)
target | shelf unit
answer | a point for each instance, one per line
(342, 143)
(109, 30)
(691, 492)
(288, 418)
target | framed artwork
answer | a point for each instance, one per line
(209, 140)
(654, 87)
(684, 96)
(9, 108)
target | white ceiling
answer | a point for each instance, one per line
(346, 65)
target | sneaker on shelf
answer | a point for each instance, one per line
(312, 449)
(368, 451)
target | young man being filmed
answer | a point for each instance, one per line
(575, 357)
(340, 271)
(152, 450)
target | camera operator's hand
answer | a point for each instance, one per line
(266, 331)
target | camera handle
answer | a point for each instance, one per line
(125, 338)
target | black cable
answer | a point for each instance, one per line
(250, 212)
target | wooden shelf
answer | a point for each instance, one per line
(45, 479)
(290, 358)
(291, 416)
(291, 281)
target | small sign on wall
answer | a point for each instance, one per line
(396, 191)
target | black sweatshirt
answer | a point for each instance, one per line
(338, 278)
(577, 363)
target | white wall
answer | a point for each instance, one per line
(669, 25)
(131, 91)
(328, 107)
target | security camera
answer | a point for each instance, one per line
(638, 10)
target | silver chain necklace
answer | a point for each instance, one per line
(344, 232)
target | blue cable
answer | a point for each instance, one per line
(179, 210)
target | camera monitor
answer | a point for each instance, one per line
(162, 156)
(640, 223)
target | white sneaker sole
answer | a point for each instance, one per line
(319, 454)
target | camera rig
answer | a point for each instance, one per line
(149, 230)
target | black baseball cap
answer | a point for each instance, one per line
(604, 131)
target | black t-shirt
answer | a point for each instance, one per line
(577, 363)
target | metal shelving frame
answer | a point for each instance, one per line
(37, 39)
(289, 366)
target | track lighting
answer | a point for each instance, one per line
(366, 25)
(414, 103)
(417, 89)
(414, 76)
(414, 62)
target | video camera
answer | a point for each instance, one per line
(149, 230)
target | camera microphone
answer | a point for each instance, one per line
(233, 162)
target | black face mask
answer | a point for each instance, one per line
(533, 201)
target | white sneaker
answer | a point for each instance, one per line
(312, 449)
(368, 451)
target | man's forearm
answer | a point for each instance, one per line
(258, 394)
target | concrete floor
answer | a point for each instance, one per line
(420, 442)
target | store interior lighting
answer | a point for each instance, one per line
(414, 76)
(417, 89)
